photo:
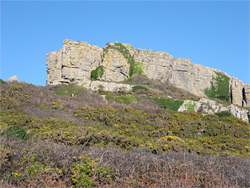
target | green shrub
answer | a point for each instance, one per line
(219, 87)
(169, 103)
(224, 114)
(125, 99)
(15, 132)
(136, 88)
(68, 90)
(2, 81)
(97, 73)
(135, 68)
(190, 107)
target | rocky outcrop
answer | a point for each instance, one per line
(114, 87)
(181, 73)
(116, 66)
(12, 79)
(75, 62)
(207, 106)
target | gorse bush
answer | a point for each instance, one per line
(49, 140)
(97, 73)
(85, 171)
(15, 93)
(219, 87)
(168, 143)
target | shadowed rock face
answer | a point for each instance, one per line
(246, 95)
(75, 61)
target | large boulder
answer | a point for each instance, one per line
(12, 79)
(207, 106)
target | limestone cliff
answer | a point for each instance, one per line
(78, 62)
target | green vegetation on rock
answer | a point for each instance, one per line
(190, 107)
(97, 73)
(135, 67)
(219, 87)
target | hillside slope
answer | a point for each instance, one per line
(66, 135)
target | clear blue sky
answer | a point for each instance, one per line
(211, 33)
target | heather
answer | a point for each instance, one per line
(62, 136)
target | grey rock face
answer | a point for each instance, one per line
(207, 106)
(238, 112)
(236, 87)
(181, 73)
(116, 66)
(114, 87)
(75, 61)
(246, 95)
(12, 79)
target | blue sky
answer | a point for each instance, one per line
(211, 33)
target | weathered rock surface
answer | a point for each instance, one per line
(116, 66)
(12, 79)
(75, 61)
(236, 87)
(114, 87)
(207, 106)
(246, 94)
(181, 73)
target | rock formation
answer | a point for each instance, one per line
(12, 79)
(76, 61)
(207, 106)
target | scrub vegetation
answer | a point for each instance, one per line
(51, 138)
